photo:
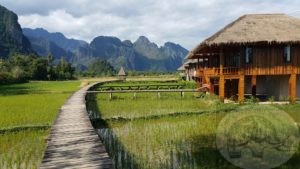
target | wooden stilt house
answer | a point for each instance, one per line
(258, 54)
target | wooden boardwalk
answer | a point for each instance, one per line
(73, 142)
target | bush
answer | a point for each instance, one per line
(252, 100)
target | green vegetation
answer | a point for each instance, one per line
(21, 68)
(148, 104)
(292, 109)
(27, 111)
(22, 149)
(168, 132)
(98, 68)
(148, 73)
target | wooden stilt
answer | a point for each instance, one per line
(198, 83)
(253, 85)
(222, 78)
(241, 89)
(211, 86)
(292, 87)
(222, 88)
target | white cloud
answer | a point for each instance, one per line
(185, 22)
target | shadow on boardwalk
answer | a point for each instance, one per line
(73, 142)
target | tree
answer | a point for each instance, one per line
(64, 70)
(101, 68)
(40, 71)
(49, 67)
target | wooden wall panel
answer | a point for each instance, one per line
(269, 60)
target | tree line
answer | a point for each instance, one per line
(22, 68)
(19, 68)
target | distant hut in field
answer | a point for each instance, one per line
(122, 74)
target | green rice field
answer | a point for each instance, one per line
(148, 132)
(27, 112)
(140, 132)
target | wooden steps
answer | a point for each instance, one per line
(73, 142)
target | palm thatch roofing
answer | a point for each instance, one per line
(188, 63)
(122, 72)
(254, 28)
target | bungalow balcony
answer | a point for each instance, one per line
(213, 72)
(247, 71)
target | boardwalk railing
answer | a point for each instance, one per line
(141, 87)
(181, 91)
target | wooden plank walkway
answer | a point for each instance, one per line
(73, 142)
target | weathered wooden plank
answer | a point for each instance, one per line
(73, 143)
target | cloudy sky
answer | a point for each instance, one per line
(186, 22)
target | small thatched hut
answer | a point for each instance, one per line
(258, 54)
(122, 74)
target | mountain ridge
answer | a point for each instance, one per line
(141, 55)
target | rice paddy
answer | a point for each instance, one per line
(148, 132)
(27, 112)
(143, 132)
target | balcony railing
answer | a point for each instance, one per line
(231, 70)
(216, 71)
(247, 70)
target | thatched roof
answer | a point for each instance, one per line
(122, 72)
(254, 28)
(188, 63)
(191, 61)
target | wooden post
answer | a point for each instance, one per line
(110, 96)
(182, 94)
(253, 85)
(241, 88)
(198, 83)
(222, 78)
(221, 61)
(222, 88)
(211, 86)
(292, 87)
